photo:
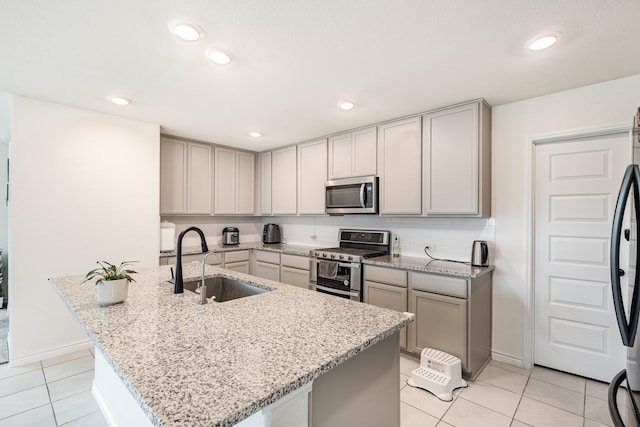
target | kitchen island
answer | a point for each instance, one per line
(219, 363)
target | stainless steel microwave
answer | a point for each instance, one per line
(352, 196)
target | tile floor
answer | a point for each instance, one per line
(57, 392)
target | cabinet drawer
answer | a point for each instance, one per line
(295, 261)
(268, 271)
(443, 285)
(213, 259)
(235, 256)
(267, 256)
(390, 276)
(240, 267)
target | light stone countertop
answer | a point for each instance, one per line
(426, 265)
(286, 248)
(218, 363)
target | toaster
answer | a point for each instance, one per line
(271, 233)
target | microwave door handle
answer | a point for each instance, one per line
(362, 195)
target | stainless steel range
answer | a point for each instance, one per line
(339, 270)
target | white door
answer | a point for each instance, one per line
(576, 187)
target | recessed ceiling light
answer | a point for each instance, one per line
(543, 42)
(255, 134)
(186, 31)
(120, 100)
(346, 105)
(218, 56)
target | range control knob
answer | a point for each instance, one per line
(333, 256)
(341, 256)
(350, 258)
(324, 255)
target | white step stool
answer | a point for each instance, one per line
(439, 373)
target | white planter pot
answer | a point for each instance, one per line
(112, 291)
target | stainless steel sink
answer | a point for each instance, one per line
(225, 289)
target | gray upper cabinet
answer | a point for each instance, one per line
(265, 183)
(234, 182)
(457, 161)
(185, 177)
(400, 166)
(353, 154)
(283, 181)
(312, 175)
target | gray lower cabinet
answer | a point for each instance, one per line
(387, 288)
(237, 261)
(213, 259)
(267, 265)
(452, 315)
(294, 270)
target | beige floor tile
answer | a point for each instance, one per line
(407, 365)
(412, 417)
(492, 397)
(23, 401)
(66, 357)
(562, 379)
(71, 385)
(95, 419)
(537, 413)
(464, 413)
(38, 417)
(424, 401)
(21, 382)
(600, 391)
(598, 410)
(6, 371)
(516, 369)
(516, 423)
(591, 423)
(403, 380)
(69, 368)
(74, 407)
(443, 424)
(554, 395)
(503, 378)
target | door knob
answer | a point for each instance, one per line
(620, 272)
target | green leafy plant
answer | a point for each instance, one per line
(108, 271)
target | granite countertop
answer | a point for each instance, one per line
(218, 363)
(426, 265)
(286, 248)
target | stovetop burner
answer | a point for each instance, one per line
(356, 245)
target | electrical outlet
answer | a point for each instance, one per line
(430, 247)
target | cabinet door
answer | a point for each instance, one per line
(265, 183)
(451, 149)
(440, 323)
(364, 152)
(268, 271)
(340, 152)
(225, 181)
(386, 296)
(283, 181)
(312, 175)
(173, 176)
(399, 167)
(245, 182)
(240, 267)
(199, 183)
(295, 277)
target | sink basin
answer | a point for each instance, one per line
(225, 289)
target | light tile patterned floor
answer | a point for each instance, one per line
(57, 392)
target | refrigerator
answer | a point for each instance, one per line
(626, 299)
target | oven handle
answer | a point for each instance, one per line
(344, 264)
(337, 291)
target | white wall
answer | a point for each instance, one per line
(602, 104)
(5, 137)
(85, 187)
(250, 228)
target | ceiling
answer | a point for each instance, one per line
(295, 59)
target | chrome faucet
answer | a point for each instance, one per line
(202, 288)
(178, 284)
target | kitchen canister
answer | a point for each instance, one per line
(167, 236)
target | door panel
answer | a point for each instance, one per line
(576, 186)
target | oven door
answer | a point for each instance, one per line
(345, 280)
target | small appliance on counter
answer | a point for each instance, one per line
(230, 236)
(479, 254)
(167, 236)
(271, 233)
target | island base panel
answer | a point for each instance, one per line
(362, 391)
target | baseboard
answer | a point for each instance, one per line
(59, 351)
(506, 358)
(102, 404)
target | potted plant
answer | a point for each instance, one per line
(113, 282)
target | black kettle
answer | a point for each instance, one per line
(479, 253)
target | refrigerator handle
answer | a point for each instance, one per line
(628, 329)
(614, 410)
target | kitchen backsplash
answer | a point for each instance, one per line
(452, 237)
